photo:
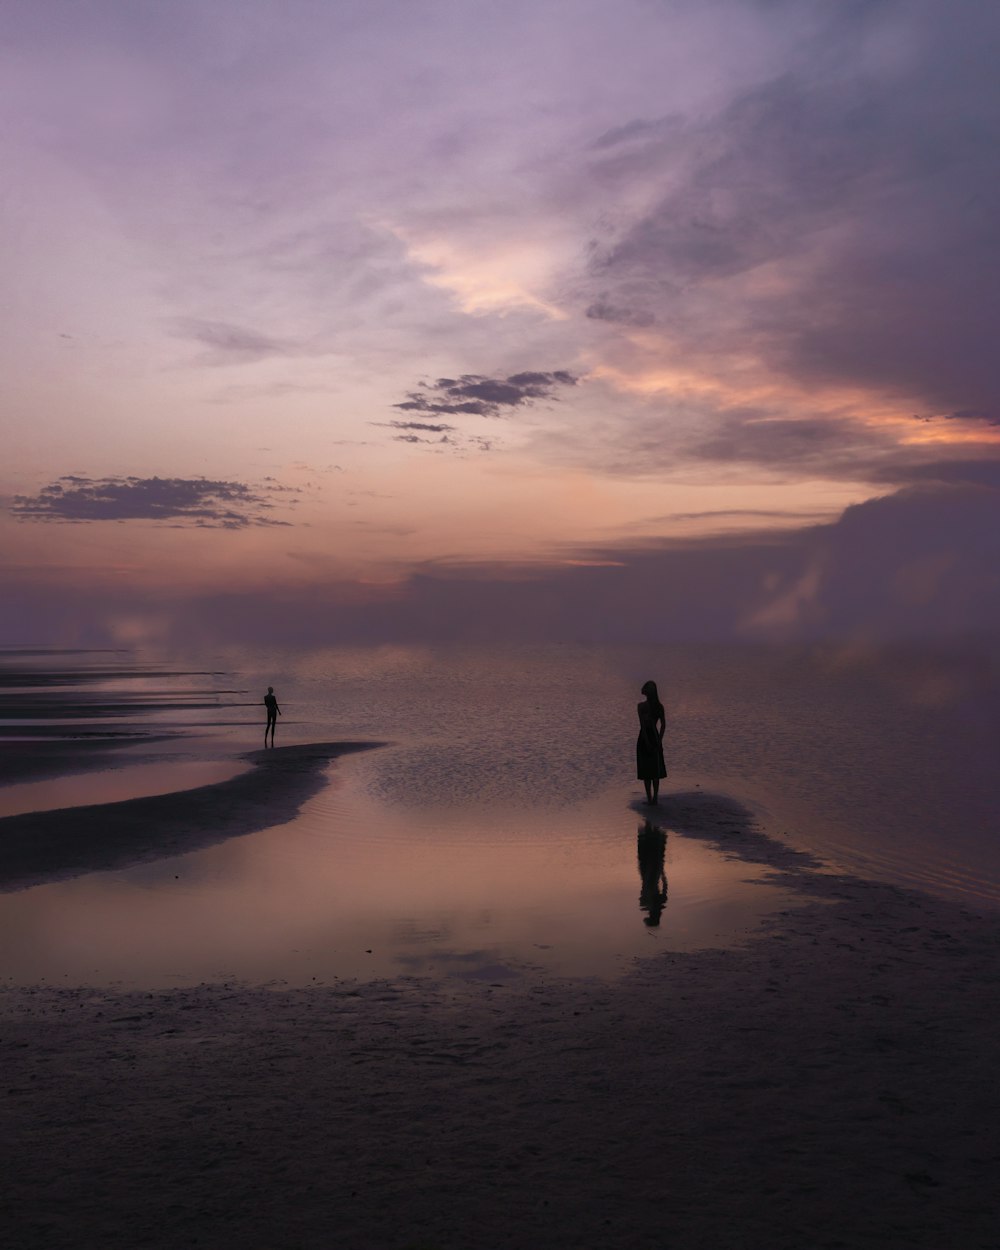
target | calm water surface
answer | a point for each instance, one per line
(884, 760)
(495, 832)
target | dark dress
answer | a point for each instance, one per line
(648, 747)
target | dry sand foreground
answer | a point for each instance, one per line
(831, 1084)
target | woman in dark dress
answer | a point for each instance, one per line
(649, 765)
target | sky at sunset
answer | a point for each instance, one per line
(332, 320)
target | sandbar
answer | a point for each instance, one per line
(46, 846)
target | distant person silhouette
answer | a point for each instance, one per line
(273, 712)
(649, 765)
(652, 846)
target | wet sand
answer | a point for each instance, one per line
(45, 752)
(830, 1083)
(49, 846)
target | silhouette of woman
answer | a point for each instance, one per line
(652, 845)
(649, 765)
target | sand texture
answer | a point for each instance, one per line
(832, 1083)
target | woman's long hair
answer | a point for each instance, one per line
(650, 691)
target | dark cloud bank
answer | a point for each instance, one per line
(179, 501)
(866, 179)
(923, 562)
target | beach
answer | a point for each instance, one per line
(500, 631)
(829, 1081)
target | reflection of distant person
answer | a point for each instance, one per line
(653, 896)
(649, 763)
(273, 712)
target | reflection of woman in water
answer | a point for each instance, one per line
(653, 896)
(649, 763)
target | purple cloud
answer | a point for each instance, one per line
(862, 191)
(426, 427)
(197, 502)
(603, 310)
(971, 417)
(475, 395)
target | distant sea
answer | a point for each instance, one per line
(497, 821)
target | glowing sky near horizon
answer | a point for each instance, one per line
(419, 285)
